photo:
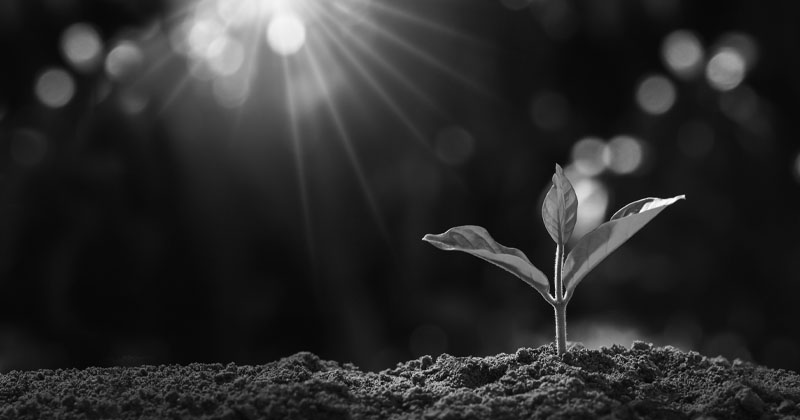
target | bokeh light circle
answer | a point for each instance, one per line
(593, 198)
(231, 91)
(286, 34)
(682, 53)
(656, 94)
(726, 69)
(55, 88)
(238, 12)
(82, 47)
(225, 56)
(124, 60)
(744, 44)
(624, 155)
(587, 156)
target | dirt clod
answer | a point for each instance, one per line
(611, 383)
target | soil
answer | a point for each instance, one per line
(613, 383)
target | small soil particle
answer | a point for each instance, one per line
(610, 383)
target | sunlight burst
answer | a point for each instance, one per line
(286, 34)
(322, 56)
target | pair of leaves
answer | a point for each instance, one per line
(559, 214)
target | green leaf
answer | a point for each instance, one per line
(560, 208)
(593, 248)
(476, 240)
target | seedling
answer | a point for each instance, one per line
(559, 213)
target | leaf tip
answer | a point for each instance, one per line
(559, 170)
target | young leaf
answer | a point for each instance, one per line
(599, 243)
(560, 208)
(476, 240)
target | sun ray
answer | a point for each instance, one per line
(380, 60)
(174, 93)
(429, 24)
(249, 67)
(300, 171)
(376, 86)
(345, 138)
(425, 56)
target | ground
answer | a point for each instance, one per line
(613, 383)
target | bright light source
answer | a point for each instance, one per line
(55, 88)
(123, 60)
(587, 156)
(682, 53)
(726, 69)
(656, 95)
(623, 154)
(81, 46)
(286, 34)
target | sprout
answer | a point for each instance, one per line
(559, 214)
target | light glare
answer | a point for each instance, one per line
(286, 34)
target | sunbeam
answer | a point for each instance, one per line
(300, 171)
(423, 22)
(242, 55)
(427, 57)
(376, 87)
(388, 68)
(344, 137)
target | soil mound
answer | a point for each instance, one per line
(612, 383)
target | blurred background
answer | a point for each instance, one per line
(239, 180)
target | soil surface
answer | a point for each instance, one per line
(640, 382)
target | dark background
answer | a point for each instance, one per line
(147, 221)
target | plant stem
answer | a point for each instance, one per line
(560, 306)
(561, 327)
(559, 287)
